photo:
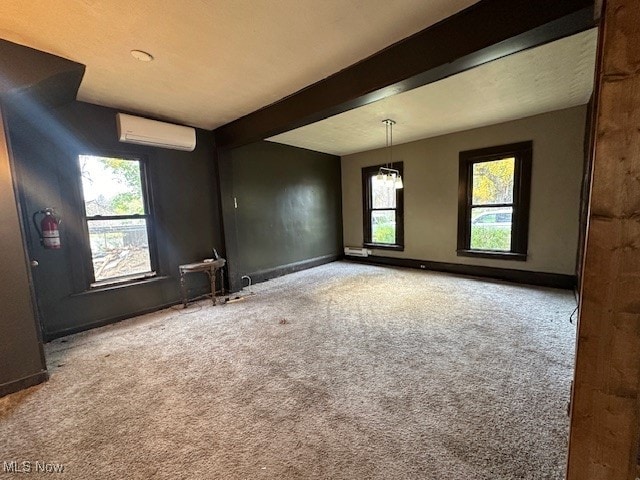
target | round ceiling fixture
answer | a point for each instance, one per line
(142, 56)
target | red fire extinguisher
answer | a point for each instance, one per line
(48, 229)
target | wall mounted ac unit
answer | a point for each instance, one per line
(143, 131)
(356, 251)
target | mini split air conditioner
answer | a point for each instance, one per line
(143, 131)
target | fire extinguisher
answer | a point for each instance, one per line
(48, 229)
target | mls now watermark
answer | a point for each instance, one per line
(38, 466)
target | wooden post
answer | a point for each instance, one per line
(605, 420)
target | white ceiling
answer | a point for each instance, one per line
(551, 77)
(215, 60)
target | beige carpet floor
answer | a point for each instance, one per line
(344, 371)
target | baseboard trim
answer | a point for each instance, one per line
(554, 280)
(49, 336)
(22, 383)
(264, 275)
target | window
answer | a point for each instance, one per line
(493, 201)
(383, 210)
(117, 217)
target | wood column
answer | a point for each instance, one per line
(605, 420)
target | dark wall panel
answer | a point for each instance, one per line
(50, 79)
(288, 208)
(45, 80)
(21, 358)
(184, 199)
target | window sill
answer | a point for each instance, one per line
(383, 246)
(117, 286)
(518, 257)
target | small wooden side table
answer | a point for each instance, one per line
(210, 268)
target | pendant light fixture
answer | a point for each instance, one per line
(389, 174)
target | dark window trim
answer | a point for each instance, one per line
(523, 153)
(117, 286)
(522, 257)
(90, 283)
(123, 280)
(367, 173)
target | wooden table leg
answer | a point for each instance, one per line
(183, 289)
(221, 270)
(212, 279)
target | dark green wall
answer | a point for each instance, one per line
(184, 198)
(289, 213)
(21, 360)
(32, 78)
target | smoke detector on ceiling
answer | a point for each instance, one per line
(142, 56)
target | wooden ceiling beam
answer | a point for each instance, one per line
(486, 31)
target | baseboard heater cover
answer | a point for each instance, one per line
(356, 252)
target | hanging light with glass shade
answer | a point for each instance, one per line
(389, 174)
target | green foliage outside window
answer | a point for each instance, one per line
(127, 173)
(493, 181)
(384, 234)
(488, 238)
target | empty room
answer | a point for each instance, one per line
(342, 239)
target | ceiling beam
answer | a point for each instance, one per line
(486, 31)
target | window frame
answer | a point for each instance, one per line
(523, 154)
(90, 280)
(367, 208)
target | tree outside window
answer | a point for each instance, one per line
(382, 210)
(117, 218)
